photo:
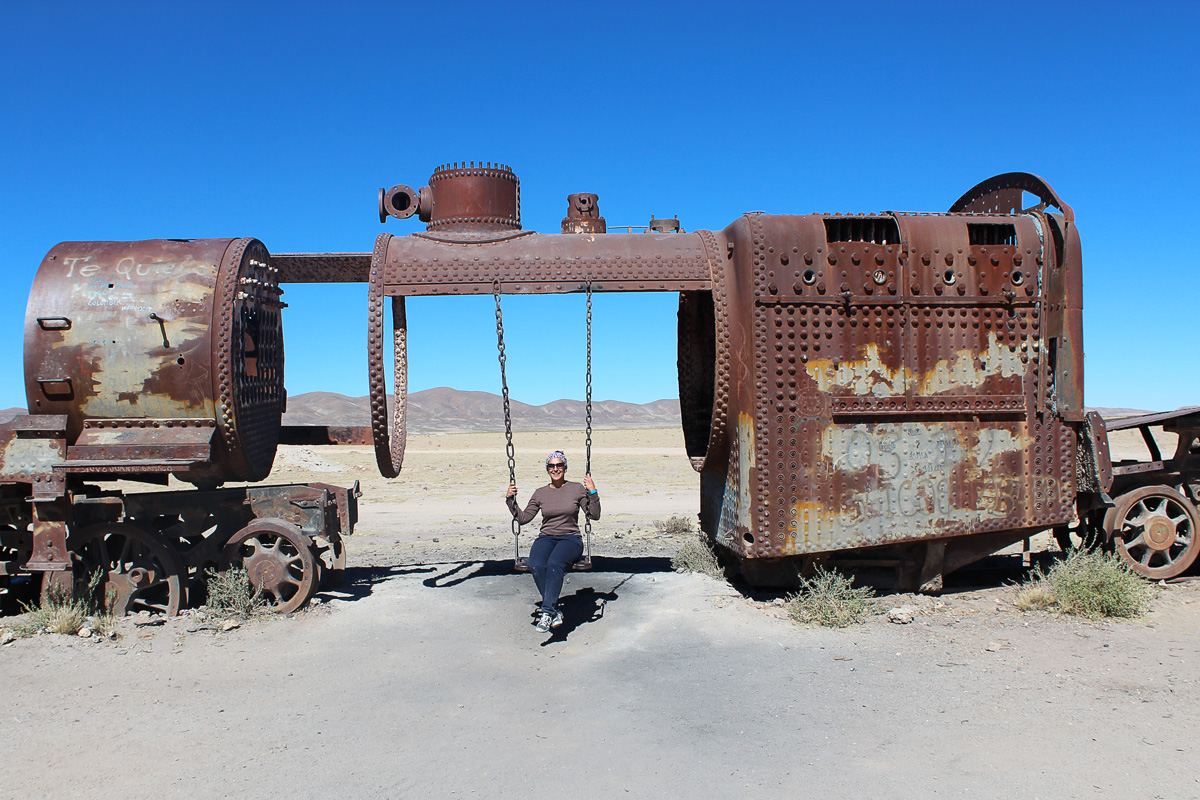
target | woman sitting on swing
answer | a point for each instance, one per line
(559, 544)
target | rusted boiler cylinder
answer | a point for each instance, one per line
(902, 382)
(163, 355)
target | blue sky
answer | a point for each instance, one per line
(281, 121)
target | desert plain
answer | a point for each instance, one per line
(422, 676)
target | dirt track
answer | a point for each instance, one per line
(425, 678)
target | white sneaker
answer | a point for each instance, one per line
(544, 622)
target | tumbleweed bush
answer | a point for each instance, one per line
(830, 599)
(675, 526)
(696, 555)
(59, 612)
(1088, 583)
(230, 593)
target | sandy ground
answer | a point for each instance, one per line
(423, 676)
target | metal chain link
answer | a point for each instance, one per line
(508, 448)
(587, 521)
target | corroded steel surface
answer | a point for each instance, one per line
(583, 214)
(890, 383)
(160, 349)
(515, 262)
(902, 389)
(845, 381)
(474, 198)
(533, 263)
(322, 267)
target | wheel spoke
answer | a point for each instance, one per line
(120, 548)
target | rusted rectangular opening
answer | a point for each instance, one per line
(880, 230)
(987, 233)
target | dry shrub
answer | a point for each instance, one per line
(1034, 597)
(1088, 583)
(60, 612)
(675, 526)
(696, 555)
(231, 594)
(830, 599)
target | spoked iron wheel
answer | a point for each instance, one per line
(1155, 531)
(1087, 535)
(330, 555)
(278, 560)
(138, 571)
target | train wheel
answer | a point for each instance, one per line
(1088, 535)
(1155, 530)
(138, 571)
(278, 560)
(330, 555)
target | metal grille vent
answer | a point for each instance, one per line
(986, 233)
(880, 230)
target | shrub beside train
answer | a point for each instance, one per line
(889, 390)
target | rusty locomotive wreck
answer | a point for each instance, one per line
(898, 390)
(145, 360)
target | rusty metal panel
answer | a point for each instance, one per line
(883, 388)
(325, 434)
(30, 446)
(532, 263)
(973, 312)
(322, 267)
(144, 439)
(161, 330)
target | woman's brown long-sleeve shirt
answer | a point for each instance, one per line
(560, 508)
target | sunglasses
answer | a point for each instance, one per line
(555, 466)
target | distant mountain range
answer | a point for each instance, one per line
(445, 410)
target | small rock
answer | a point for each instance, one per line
(902, 615)
(142, 622)
(7, 636)
(85, 632)
(229, 625)
(143, 614)
(993, 647)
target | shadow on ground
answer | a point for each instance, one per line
(582, 606)
(467, 570)
(359, 581)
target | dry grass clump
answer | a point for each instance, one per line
(675, 526)
(59, 612)
(230, 594)
(1035, 597)
(830, 599)
(1087, 583)
(697, 555)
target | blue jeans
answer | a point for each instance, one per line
(548, 559)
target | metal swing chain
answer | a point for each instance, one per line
(508, 449)
(587, 521)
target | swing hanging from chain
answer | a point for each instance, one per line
(520, 563)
